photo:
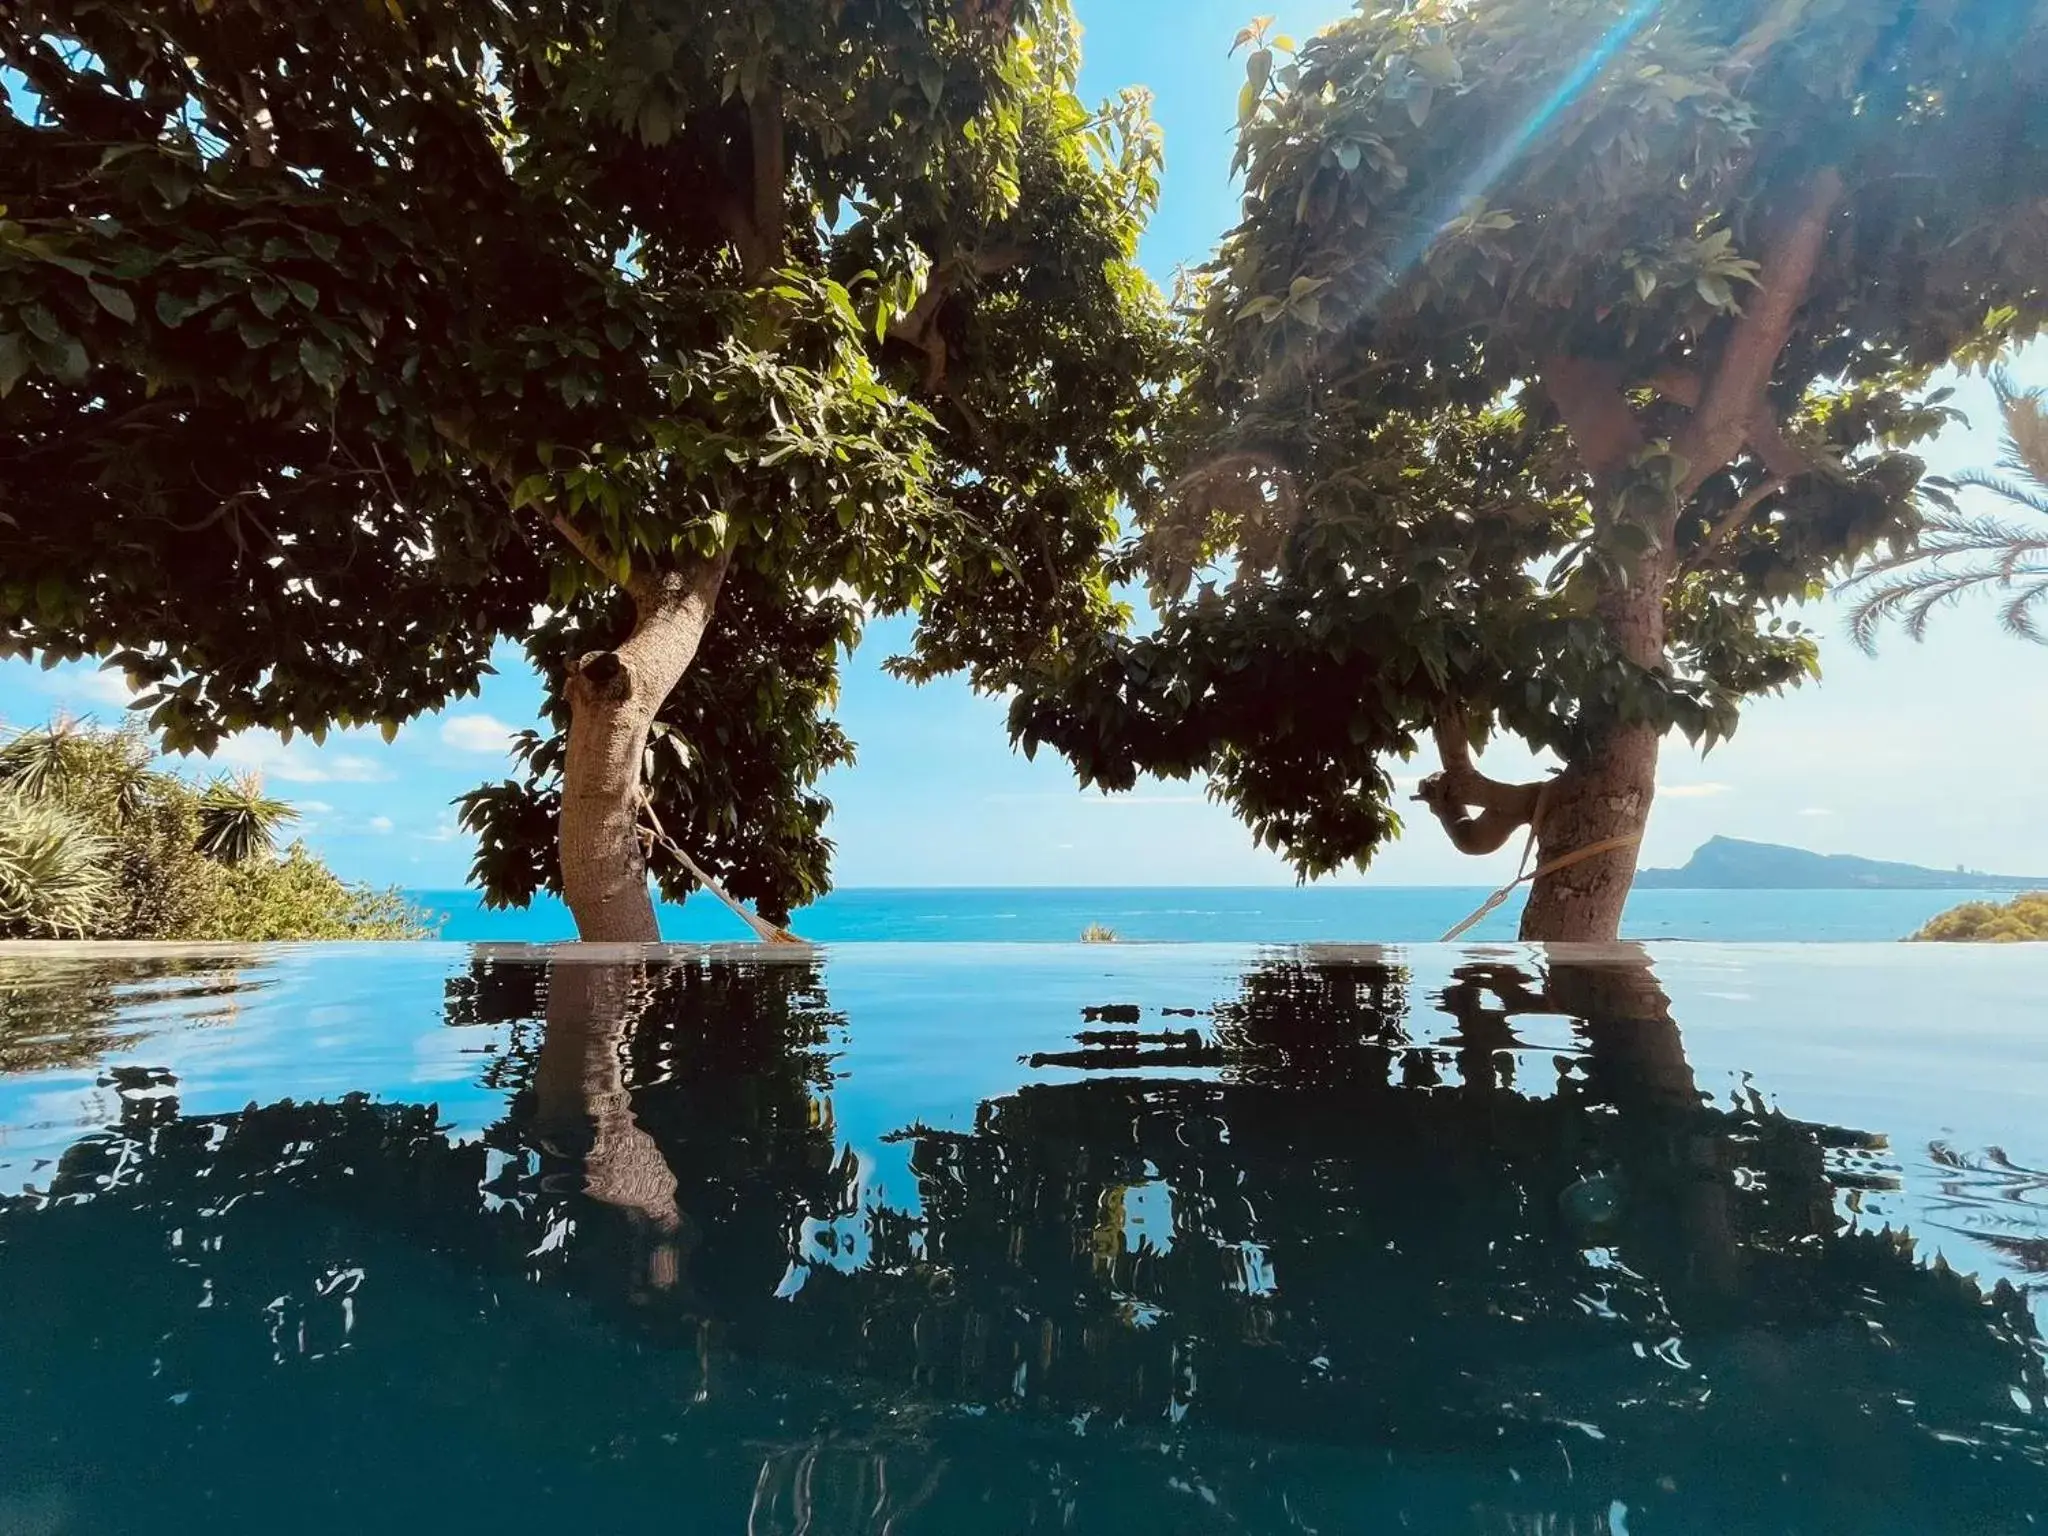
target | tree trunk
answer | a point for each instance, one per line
(613, 698)
(583, 1108)
(1606, 795)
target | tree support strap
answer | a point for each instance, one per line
(1525, 875)
(764, 930)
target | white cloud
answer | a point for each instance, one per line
(481, 734)
(313, 807)
(1693, 791)
(381, 824)
(85, 685)
(447, 831)
(298, 763)
(1816, 810)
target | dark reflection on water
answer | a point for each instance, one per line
(1328, 1257)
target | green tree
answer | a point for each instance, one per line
(98, 843)
(343, 340)
(1961, 552)
(1560, 348)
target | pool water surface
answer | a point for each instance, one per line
(951, 1239)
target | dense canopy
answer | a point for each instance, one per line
(1559, 349)
(341, 343)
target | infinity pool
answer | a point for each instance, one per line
(943, 1239)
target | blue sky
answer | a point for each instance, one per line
(1928, 752)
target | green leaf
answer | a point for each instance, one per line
(1418, 105)
(13, 364)
(175, 309)
(530, 492)
(1715, 291)
(304, 292)
(1646, 282)
(115, 301)
(1439, 65)
(42, 324)
(388, 729)
(657, 120)
(321, 363)
(73, 364)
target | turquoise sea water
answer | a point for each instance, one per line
(1236, 915)
(922, 1240)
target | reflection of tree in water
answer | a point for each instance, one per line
(1350, 1236)
(666, 1136)
(1328, 1253)
(68, 1012)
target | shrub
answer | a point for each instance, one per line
(54, 875)
(2022, 920)
(97, 842)
(1096, 933)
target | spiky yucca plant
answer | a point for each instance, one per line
(55, 874)
(238, 822)
(1961, 552)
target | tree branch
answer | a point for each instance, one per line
(1681, 386)
(1767, 440)
(919, 328)
(766, 135)
(1731, 521)
(582, 544)
(1767, 34)
(256, 125)
(1589, 397)
(1734, 394)
(1503, 808)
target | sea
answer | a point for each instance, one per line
(1341, 914)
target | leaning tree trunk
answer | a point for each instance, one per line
(1606, 795)
(613, 698)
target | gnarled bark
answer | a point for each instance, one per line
(613, 698)
(1453, 794)
(1606, 795)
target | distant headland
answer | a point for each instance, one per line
(1729, 864)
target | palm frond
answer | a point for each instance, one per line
(2005, 488)
(2017, 616)
(1958, 552)
(1909, 598)
(2012, 560)
(2026, 428)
